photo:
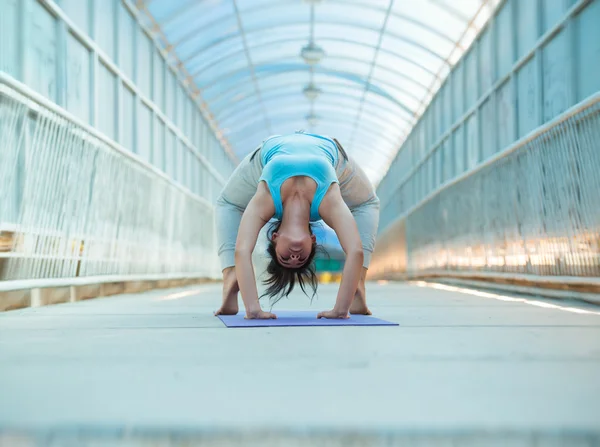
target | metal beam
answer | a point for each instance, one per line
(273, 28)
(329, 107)
(304, 68)
(230, 94)
(212, 63)
(332, 102)
(372, 67)
(288, 90)
(293, 117)
(293, 58)
(365, 5)
(236, 106)
(250, 64)
(324, 110)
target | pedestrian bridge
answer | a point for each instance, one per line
(477, 120)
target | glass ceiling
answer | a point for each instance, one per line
(383, 60)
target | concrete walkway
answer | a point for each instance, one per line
(459, 370)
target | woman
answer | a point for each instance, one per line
(296, 179)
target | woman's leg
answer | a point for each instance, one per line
(230, 206)
(228, 219)
(359, 304)
(367, 221)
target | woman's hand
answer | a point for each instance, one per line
(257, 214)
(333, 315)
(337, 215)
(260, 315)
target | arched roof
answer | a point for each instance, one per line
(383, 60)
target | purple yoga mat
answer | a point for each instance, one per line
(302, 318)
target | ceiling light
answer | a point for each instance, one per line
(312, 119)
(312, 53)
(311, 91)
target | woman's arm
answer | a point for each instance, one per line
(337, 215)
(258, 212)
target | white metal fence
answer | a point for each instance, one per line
(75, 204)
(532, 209)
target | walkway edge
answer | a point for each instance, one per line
(36, 293)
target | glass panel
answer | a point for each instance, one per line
(78, 11)
(486, 52)
(180, 106)
(170, 86)
(439, 112)
(191, 39)
(78, 79)
(403, 64)
(459, 150)
(197, 130)
(488, 134)
(430, 126)
(505, 113)
(104, 30)
(170, 154)
(358, 68)
(527, 26)
(437, 164)
(182, 153)
(9, 56)
(588, 48)
(528, 91)
(557, 63)
(41, 58)
(504, 39)
(411, 52)
(471, 80)
(429, 37)
(158, 94)
(159, 144)
(210, 75)
(198, 54)
(190, 118)
(144, 138)
(145, 49)
(458, 92)
(421, 141)
(191, 170)
(107, 110)
(447, 93)
(553, 11)
(433, 13)
(127, 28)
(473, 152)
(129, 122)
(448, 161)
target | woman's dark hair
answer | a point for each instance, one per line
(281, 280)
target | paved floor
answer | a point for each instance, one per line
(160, 362)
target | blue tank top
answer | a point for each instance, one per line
(299, 154)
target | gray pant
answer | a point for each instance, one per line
(357, 192)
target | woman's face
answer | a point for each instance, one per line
(293, 250)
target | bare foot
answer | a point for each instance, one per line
(230, 294)
(359, 307)
(359, 303)
(228, 309)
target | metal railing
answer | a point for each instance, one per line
(73, 203)
(533, 209)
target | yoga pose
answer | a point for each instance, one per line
(296, 180)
